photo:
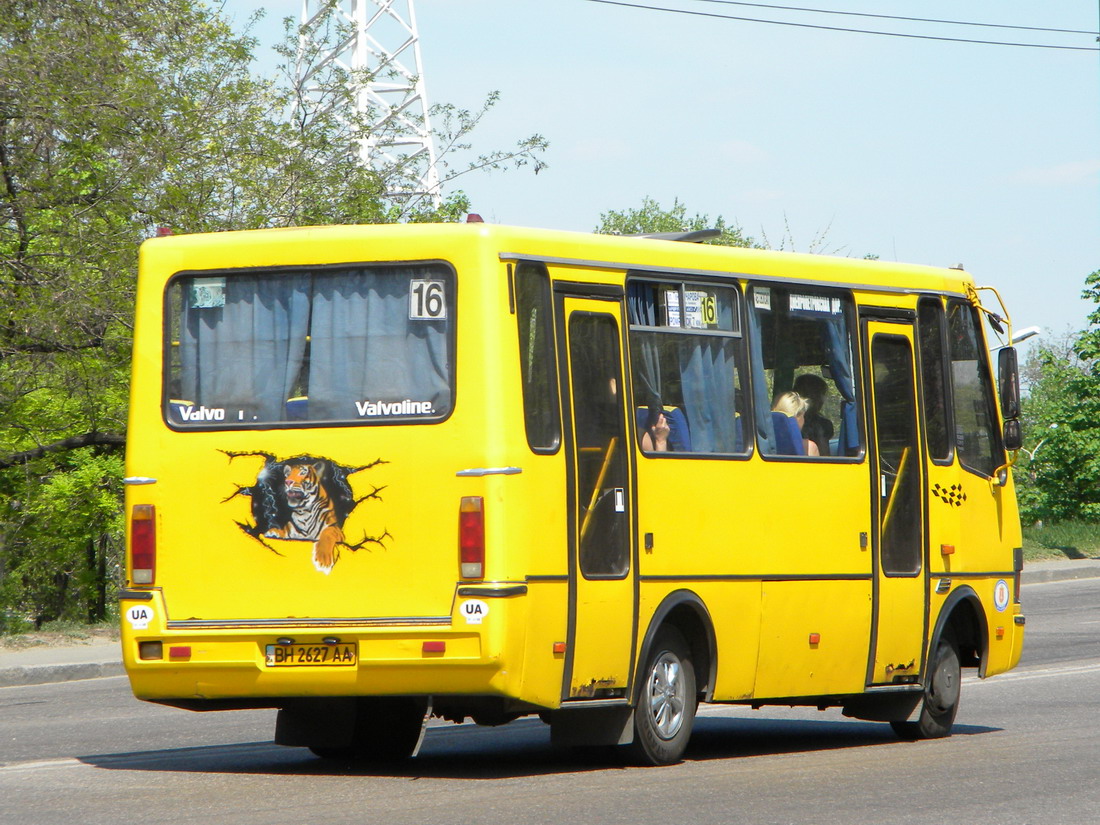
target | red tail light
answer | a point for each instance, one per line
(143, 544)
(471, 537)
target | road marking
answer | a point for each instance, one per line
(122, 761)
(51, 764)
(1040, 673)
(61, 683)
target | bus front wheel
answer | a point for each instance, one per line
(665, 708)
(941, 695)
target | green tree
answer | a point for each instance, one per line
(118, 117)
(651, 217)
(1088, 344)
(1059, 475)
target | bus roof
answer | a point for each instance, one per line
(334, 244)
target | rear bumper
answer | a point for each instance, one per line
(228, 660)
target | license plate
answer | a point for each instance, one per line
(340, 655)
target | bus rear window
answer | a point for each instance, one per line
(361, 343)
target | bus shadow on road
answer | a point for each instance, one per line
(517, 750)
(730, 738)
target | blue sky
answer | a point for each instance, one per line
(918, 151)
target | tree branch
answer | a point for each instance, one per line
(92, 439)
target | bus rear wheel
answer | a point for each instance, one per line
(941, 695)
(665, 708)
(387, 729)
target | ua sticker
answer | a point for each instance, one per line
(474, 611)
(1000, 595)
(139, 616)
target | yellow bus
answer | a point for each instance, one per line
(377, 474)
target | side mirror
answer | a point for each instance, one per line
(1008, 372)
(1013, 435)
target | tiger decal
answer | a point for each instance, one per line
(312, 516)
(305, 499)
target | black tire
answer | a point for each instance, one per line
(941, 695)
(664, 710)
(387, 729)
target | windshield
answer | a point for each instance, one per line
(356, 343)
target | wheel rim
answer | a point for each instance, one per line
(667, 695)
(943, 692)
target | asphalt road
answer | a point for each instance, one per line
(1024, 751)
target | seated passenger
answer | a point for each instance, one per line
(794, 406)
(655, 437)
(663, 428)
(816, 427)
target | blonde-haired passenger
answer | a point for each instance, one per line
(794, 405)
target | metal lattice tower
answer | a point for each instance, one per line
(383, 43)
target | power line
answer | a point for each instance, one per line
(848, 30)
(898, 17)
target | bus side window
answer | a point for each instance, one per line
(976, 437)
(534, 319)
(686, 354)
(803, 366)
(933, 378)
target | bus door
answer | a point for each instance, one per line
(601, 525)
(899, 594)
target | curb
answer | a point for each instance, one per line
(1060, 573)
(23, 675)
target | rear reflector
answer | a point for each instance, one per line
(471, 537)
(143, 544)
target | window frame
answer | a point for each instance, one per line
(851, 319)
(166, 362)
(740, 356)
(545, 300)
(945, 378)
(914, 553)
(997, 452)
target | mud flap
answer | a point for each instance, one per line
(889, 707)
(326, 723)
(588, 727)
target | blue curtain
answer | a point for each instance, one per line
(835, 337)
(707, 372)
(365, 348)
(244, 355)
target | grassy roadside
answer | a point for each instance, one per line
(60, 633)
(1063, 540)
